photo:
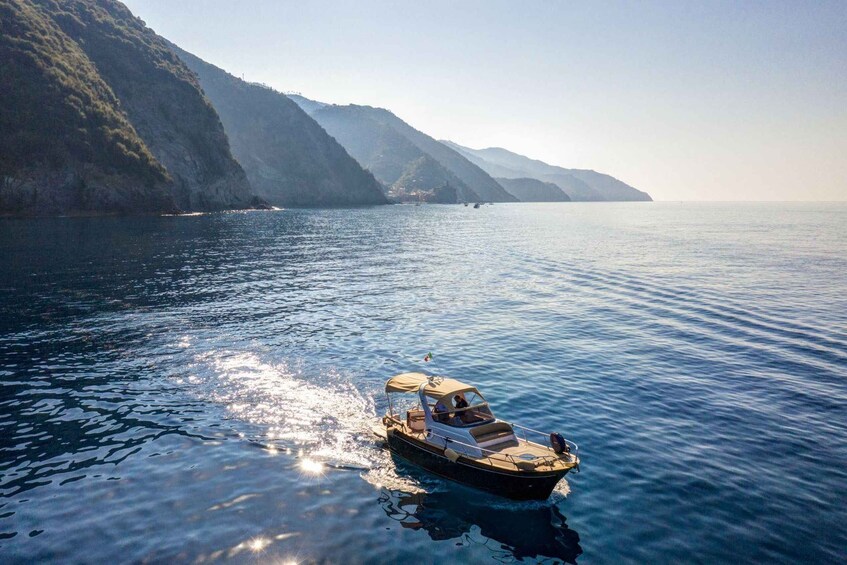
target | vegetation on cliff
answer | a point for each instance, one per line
(61, 121)
(163, 100)
(99, 115)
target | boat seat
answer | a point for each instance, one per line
(415, 420)
(494, 432)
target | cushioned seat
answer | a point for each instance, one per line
(493, 432)
(415, 420)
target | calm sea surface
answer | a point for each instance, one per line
(201, 388)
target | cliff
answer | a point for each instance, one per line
(66, 146)
(289, 159)
(100, 116)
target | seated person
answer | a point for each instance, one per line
(440, 413)
(465, 416)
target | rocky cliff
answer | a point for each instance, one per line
(99, 116)
(66, 146)
(289, 159)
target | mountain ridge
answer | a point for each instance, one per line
(534, 190)
(386, 145)
(578, 184)
(102, 115)
(289, 158)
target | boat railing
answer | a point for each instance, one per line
(394, 418)
(573, 446)
(491, 454)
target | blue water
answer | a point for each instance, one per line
(201, 388)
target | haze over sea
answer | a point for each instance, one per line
(193, 388)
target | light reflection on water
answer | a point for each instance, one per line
(203, 388)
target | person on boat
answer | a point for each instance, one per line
(462, 417)
(441, 414)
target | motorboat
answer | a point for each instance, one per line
(447, 427)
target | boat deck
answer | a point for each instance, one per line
(509, 455)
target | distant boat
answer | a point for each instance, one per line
(476, 205)
(452, 432)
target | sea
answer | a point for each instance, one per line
(202, 388)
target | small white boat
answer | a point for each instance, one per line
(448, 428)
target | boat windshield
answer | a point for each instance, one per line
(462, 409)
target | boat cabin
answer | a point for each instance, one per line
(447, 413)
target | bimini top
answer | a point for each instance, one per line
(437, 386)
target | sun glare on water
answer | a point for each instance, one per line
(312, 467)
(258, 544)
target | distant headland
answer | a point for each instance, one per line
(103, 116)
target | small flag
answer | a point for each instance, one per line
(428, 357)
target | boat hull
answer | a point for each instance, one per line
(517, 485)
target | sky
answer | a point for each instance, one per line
(712, 100)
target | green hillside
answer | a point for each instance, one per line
(66, 144)
(100, 116)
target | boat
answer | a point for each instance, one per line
(447, 427)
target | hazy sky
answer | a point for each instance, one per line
(688, 101)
